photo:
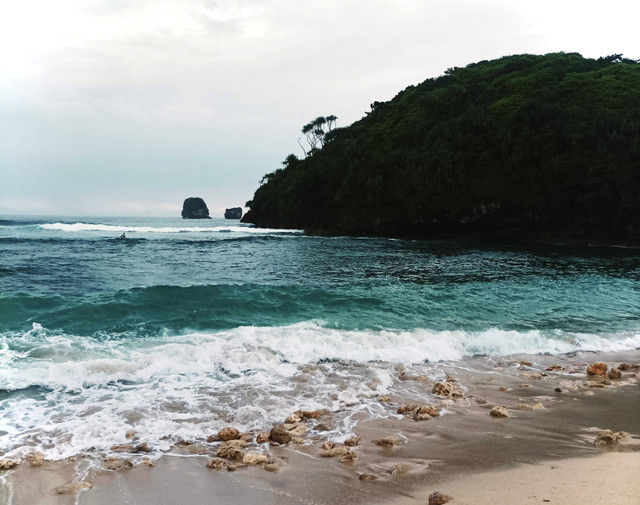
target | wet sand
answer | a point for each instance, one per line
(547, 453)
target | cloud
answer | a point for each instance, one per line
(178, 96)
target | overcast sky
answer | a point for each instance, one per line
(116, 107)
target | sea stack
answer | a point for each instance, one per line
(233, 213)
(195, 208)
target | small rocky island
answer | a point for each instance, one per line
(233, 213)
(195, 208)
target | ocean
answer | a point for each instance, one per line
(185, 327)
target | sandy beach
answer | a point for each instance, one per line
(544, 452)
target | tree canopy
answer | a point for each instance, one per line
(541, 143)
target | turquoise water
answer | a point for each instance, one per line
(193, 324)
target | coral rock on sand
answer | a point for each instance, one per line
(407, 409)
(399, 468)
(231, 449)
(554, 368)
(279, 435)
(36, 458)
(367, 476)
(255, 458)
(73, 487)
(427, 409)
(196, 449)
(598, 368)
(122, 448)
(499, 411)
(141, 448)
(336, 451)
(614, 373)
(228, 433)
(216, 463)
(328, 445)
(7, 464)
(312, 414)
(262, 437)
(523, 406)
(292, 419)
(438, 498)
(348, 456)
(352, 442)
(298, 430)
(388, 441)
(608, 437)
(447, 389)
(115, 464)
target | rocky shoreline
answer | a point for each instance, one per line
(483, 415)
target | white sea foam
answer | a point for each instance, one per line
(84, 227)
(75, 394)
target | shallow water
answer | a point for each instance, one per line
(187, 326)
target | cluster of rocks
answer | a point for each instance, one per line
(231, 449)
(34, 458)
(599, 375)
(238, 450)
(608, 437)
(447, 389)
(419, 412)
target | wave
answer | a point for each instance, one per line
(18, 222)
(84, 227)
(82, 394)
(59, 360)
(147, 309)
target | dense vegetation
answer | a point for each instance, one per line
(536, 144)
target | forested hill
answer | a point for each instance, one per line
(546, 145)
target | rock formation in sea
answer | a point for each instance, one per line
(233, 213)
(195, 208)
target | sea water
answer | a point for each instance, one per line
(188, 326)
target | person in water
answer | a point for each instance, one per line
(123, 236)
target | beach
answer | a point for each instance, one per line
(545, 451)
(209, 362)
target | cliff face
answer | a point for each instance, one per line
(543, 144)
(195, 208)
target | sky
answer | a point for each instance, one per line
(126, 108)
